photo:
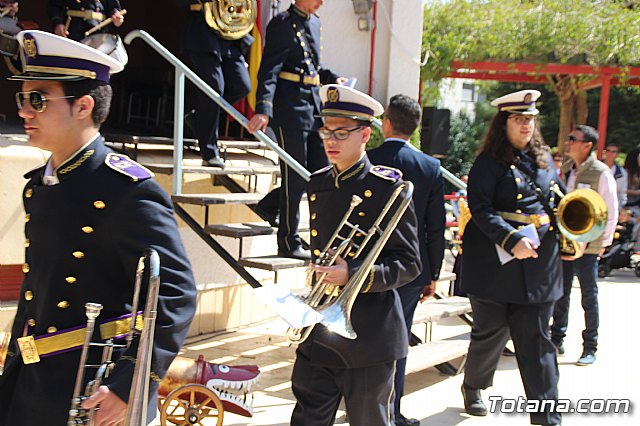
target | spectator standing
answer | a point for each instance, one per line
(611, 152)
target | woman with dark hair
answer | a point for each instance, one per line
(512, 271)
(632, 166)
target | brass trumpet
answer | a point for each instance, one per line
(581, 218)
(335, 305)
(138, 396)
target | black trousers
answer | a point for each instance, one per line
(229, 77)
(367, 394)
(409, 297)
(528, 326)
(305, 146)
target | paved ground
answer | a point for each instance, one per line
(435, 399)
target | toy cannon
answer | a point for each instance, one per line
(197, 389)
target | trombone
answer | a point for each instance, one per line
(138, 396)
(333, 302)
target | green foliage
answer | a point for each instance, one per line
(594, 32)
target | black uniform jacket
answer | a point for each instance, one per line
(84, 237)
(57, 11)
(495, 187)
(292, 44)
(377, 313)
(197, 36)
(428, 198)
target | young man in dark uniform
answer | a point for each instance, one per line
(287, 100)
(329, 366)
(89, 215)
(82, 15)
(221, 64)
(401, 118)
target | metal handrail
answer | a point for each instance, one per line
(181, 71)
(446, 173)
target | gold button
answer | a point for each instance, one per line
(27, 217)
(99, 204)
(27, 243)
(518, 211)
(351, 254)
(63, 304)
(313, 216)
(31, 322)
(71, 280)
(551, 228)
(28, 295)
(317, 252)
(314, 233)
(518, 180)
(78, 254)
(313, 197)
(302, 43)
(28, 193)
(25, 268)
(552, 182)
(368, 193)
(52, 329)
(362, 214)
(519, 197)
(513, 167)
(298, 34)
(87, 229)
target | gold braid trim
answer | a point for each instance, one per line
(370, 283)
(513, 231)
(78, 163)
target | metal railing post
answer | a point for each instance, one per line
(178, 132)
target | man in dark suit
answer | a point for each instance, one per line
(329, 366)
(221, 64)
(287, 100)
(401, 118)
(72, 18)
(90, 215)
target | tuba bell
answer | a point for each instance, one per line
(581, 218)
(231, 19)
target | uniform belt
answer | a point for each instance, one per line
(537, 219)
(87, 15)
(300, 78)
(197, 7)
(33, 348)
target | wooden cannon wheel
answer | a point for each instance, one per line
(190, 405)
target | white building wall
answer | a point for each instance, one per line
(346, 50)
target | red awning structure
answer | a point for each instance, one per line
(603, 77)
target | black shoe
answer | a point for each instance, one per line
(560, 349)
(587, 358)
(213, 162)
(403, 421)
(298, 253)
(271, 217)
(473, 404)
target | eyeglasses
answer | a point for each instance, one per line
(522, 119)
(338, 134)
(37, 100)
(572, 139)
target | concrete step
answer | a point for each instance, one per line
(167, 169)
(160, 140)
(272, 263)
(430, 354)
(222, 198)
(249, 229)
(436, 309)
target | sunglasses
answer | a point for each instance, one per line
(572, 138)
(37, 100)
(338, 134)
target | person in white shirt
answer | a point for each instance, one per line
(583, 170)
(619, 173)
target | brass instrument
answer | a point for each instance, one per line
(333, 302)
(137, 407)
(231, 19)
(581, 217)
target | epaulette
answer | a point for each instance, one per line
(282, 15)
(385, 172)
(125, 165)
(321, 171)
(31, 173)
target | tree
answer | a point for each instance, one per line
(591, 32)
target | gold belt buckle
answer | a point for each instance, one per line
(535, 219)
(28, 350)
